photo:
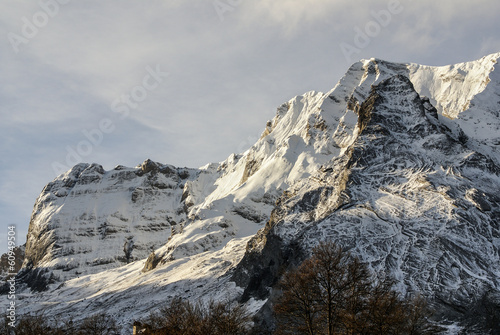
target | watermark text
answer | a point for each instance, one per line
(223, 6)
(11, 261)
(121, 106)
(31, 26)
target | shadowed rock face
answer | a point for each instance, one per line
(406, 197)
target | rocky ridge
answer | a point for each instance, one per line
(399, 163)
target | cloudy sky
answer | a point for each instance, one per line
(188, 82)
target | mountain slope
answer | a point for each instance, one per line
(407, 198)
(469, 94)
(407, 183)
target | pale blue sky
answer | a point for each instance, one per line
(230, 63)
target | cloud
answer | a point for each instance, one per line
(428, 25)
(295, 16)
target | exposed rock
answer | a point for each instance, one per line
(407, 183)
(149, 166)
(18, 262)
(151, 262)
(448, 254)
(252, 165)
(478, 199)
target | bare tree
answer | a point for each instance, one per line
(181, 317)
(418, 314)
(385, 311)
(99, 324)
(34, 325)
(226, 319)
(298, 310)
(335, 293)
(324, 294)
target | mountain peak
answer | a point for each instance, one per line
(398, 163)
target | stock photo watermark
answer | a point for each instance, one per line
(11, 282)
(363, 37)
(121, 106)
(223, 6)
(31, 26)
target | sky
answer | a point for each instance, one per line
(188, 82)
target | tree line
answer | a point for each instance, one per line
(39, 324)
(332, 292)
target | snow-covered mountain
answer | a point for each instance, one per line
(400, 163)
(89, 220)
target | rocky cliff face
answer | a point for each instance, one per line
(89, 220)
(407, 197)
(399, 163)
(414, 195)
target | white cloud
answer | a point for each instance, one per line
(293, 16)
